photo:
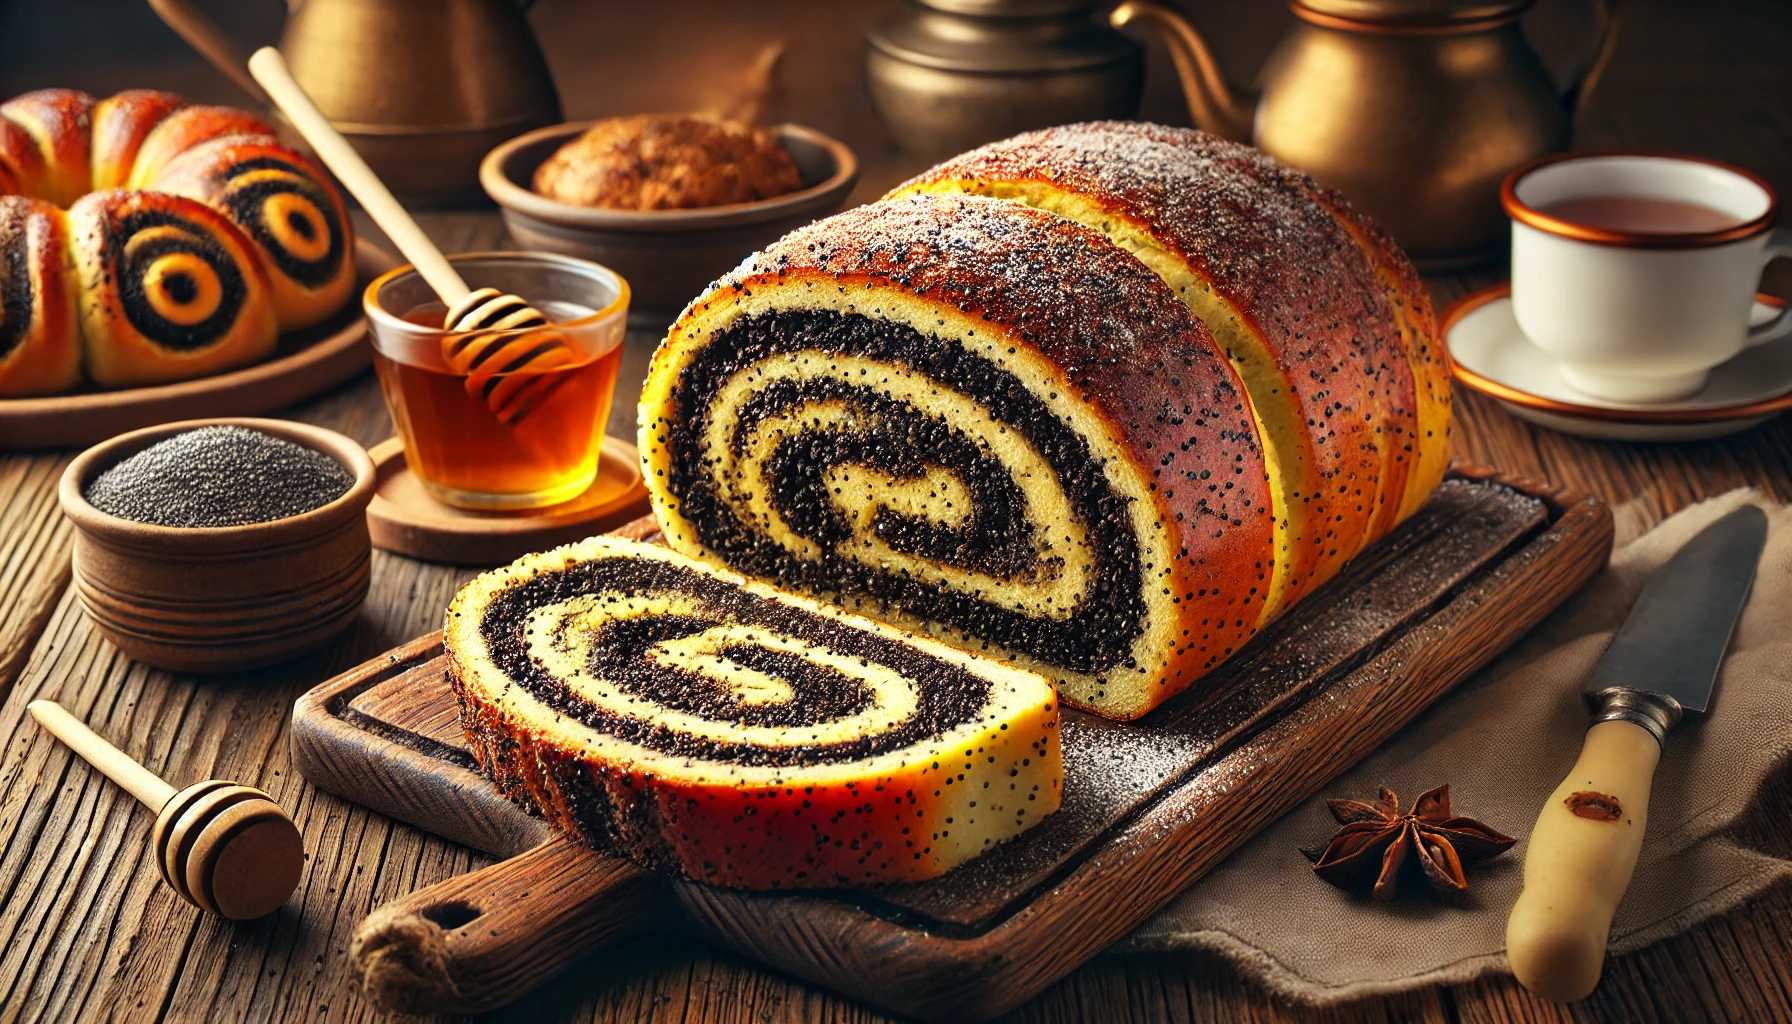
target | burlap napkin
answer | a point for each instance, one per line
(1503, 741)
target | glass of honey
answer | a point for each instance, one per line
(502, 419)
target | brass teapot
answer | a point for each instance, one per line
(423, 89)
(1415, 109)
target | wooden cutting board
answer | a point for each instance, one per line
(1148, 807)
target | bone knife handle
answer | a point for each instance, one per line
(1579, 862)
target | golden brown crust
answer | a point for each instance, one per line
(22, 167)
(1289, 271)
(120, 124)
(667, 162)
(1426, 354)
(186, 128)
(58, 122)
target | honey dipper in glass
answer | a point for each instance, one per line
(496, 416)
(501, 406)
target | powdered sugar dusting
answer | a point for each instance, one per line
(1062, 286)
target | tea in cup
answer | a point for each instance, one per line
(502, 419)
(1638, 271)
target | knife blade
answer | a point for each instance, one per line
(1661, 665)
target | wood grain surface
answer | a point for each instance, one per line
(88, 932)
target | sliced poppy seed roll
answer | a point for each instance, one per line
(1321, 315)
(976, 420)
(692, 721)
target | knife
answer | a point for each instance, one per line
(1661, 666)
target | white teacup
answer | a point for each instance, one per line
(1632, 315)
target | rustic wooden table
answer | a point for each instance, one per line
(86, 928)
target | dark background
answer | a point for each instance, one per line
(625, 56)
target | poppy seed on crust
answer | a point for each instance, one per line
(975, 420)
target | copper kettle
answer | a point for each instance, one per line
(1415, 109)
(423, 89)
(948, 75)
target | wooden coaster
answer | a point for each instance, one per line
(404, 519)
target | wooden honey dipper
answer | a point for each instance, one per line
(510, 372)
(225, 848)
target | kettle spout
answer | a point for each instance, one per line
(1213, 104)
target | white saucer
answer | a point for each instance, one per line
(1494, 357)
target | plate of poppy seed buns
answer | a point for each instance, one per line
(1023, 542)
(148, 244)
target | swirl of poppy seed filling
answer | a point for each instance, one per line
(15, 276)
(826, 674)
(1080, 579)
(256, 181)
(137, 241)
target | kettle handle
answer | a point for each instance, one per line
(1581, 85)
(1213, 104)
(203, 34)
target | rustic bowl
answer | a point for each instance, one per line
(668, 256)
(221, 599)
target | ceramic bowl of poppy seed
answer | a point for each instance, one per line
(220, 545)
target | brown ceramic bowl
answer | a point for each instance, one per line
(225, 598)
(668, 256)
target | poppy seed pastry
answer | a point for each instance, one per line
(297, 224)
(1322, 316)
(39, 350)
(976, 420)
(168, 289)
(191, 239)
(695, 722)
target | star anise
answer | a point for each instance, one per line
(1379, 845)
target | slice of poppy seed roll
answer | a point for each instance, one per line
(975, 420)
(1323, 318)
(695, 722)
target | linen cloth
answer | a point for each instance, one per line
(1503, 740)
